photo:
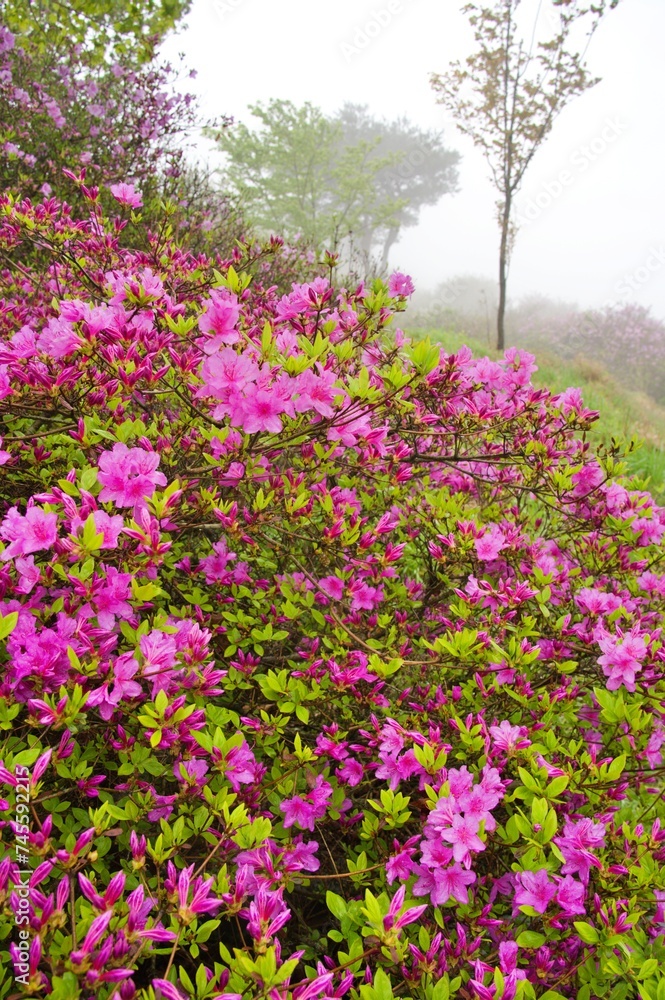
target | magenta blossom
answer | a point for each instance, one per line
(570, 896)
(535, 889)
(490, 543)
(303, 811)
(29, 532)
(219, 320)
(463, 835)
(127, 195)
(400, 284)
(128, 475)
(577, 845)
(442, 884)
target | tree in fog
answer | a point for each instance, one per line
(329, 178)
(508, 93)
(418, 169)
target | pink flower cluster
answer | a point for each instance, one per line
(451, 834)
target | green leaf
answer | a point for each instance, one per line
(587, 932)
(65, 987)
(27, 757)
(336, 905)
(92, 539)
(531, 939)
(557, 786)
(648, 968)
(88, 478)
(441, 990)
(8, 623)
(205, 930)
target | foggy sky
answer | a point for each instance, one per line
(592, 204)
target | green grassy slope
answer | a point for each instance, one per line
(624, 415)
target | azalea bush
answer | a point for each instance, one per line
(124, 119)
(623, 338)
(332, 663)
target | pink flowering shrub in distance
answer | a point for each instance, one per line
(335, 660)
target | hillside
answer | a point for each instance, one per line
(624, 415)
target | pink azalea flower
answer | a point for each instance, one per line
(364, 596)
(303, 811)
(349, 431)
(476, 805)
(434, 852)
(460, 781)
(401, 865)
(316, 392)
(219, 321)
(214, 566)
(128, 475)
(260, 412)
(570, 895)
(108, 525)
(398, 768)
(163, 807)
(238, 764)
(201, 901)
(350, 773)
(144, 282)
(442, 884)
(233, 475)
(267, 914)
(110, 598)
(5, 387)
(522, 365)
(400, 284)
(29, 574)
(195, 771)
(127, 194)
(577, 845)
(535, 889)
(653, 752)
(124, 669)
(587, 480)
(226, 374)
(58, 340)
(24, 343)
(463, 835)
(332, 586)
(622, 658)
(595, 601)
(159, 658)
(508, 738)
(29, 532)
(490, 543)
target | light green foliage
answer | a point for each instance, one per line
(99, 25)
(325, 177)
